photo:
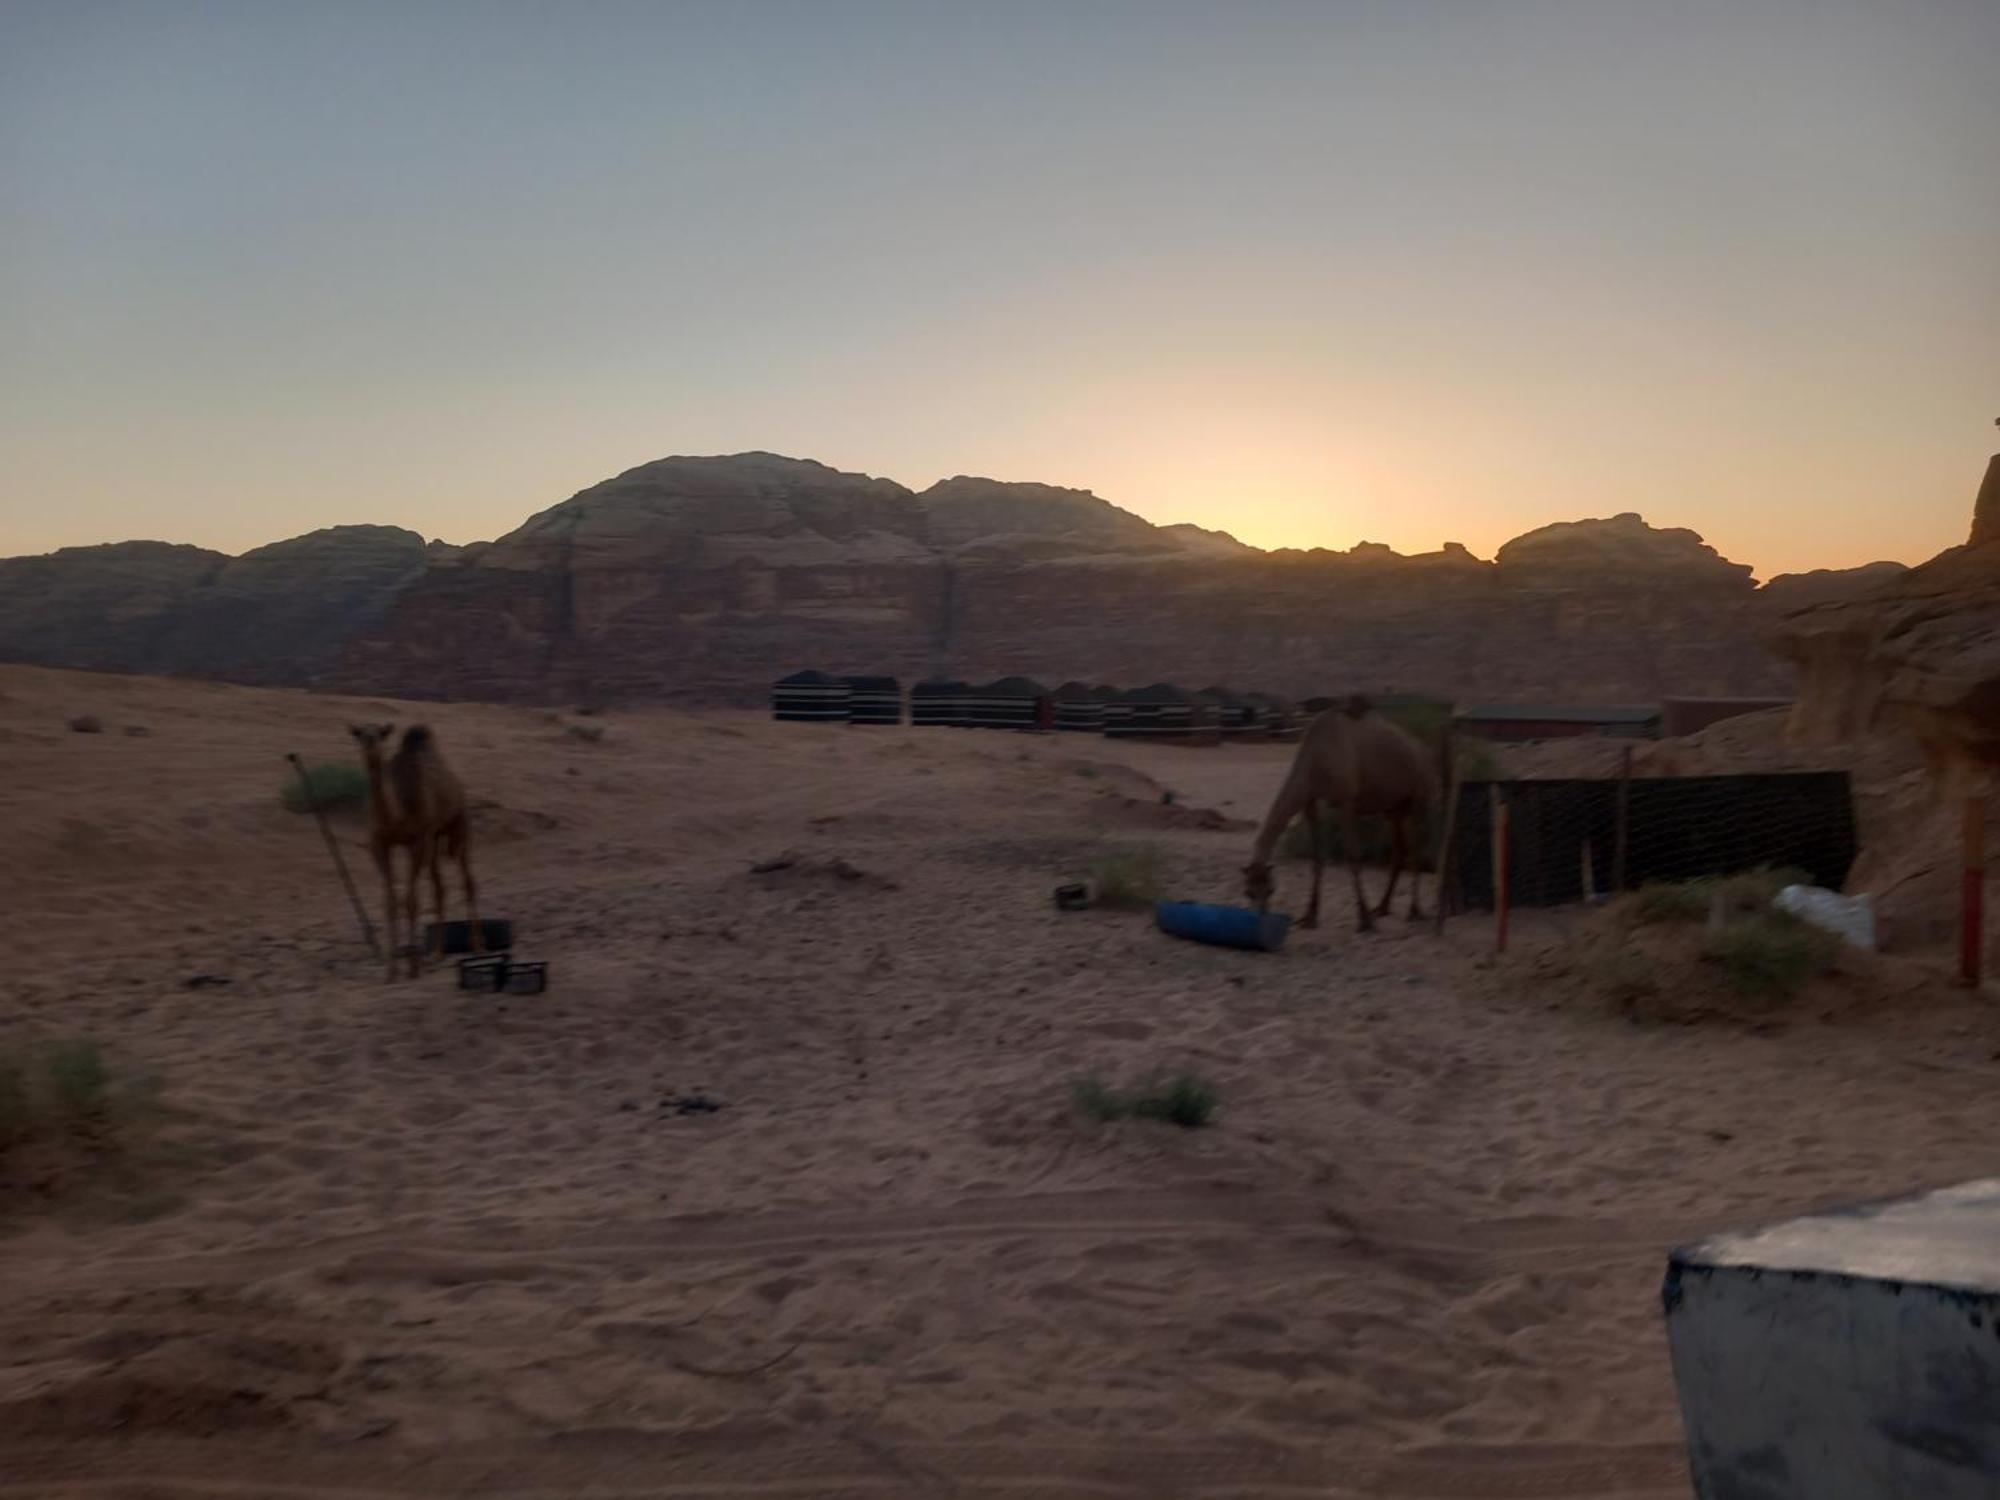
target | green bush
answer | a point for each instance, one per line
(334, 784)
(52, 1092)
(1185, 1100)
(1128, 877)
(1771, 953)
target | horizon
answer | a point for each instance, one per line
(1760, 575)
(1311, 275)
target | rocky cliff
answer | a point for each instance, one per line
(285, 613)
(702, 579)
(1918, 651)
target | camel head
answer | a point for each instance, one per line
(371, 738)
(1257, 885)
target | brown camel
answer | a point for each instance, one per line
(1357, 762)
(415, 803)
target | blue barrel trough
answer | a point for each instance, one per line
(1224, 926)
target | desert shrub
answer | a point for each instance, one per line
(15, 1113)
(1096, 1098)
(49, 1093)
(1673, 901)
(1184, 1099)
(1770, 953)
(1128, 877)
(328, 786)
(78, 1077)
(590, 734)
(1691, 900)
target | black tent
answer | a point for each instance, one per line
(1159, 712)
(1235, 714)
(1280, 718)
(875, 700)
(1010, 703)
(938, 704)
(811, 698)
(1079, 709)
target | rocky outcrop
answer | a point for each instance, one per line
(1986, 509)
(988, 519)
(1920, 652)
(1795, 591)
(1913, 662)
(703, 579)
(1622, 545)
(279, 614)
(112, 608)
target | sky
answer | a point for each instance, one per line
(1405, 272)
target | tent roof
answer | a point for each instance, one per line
(1159, 692)
(1559, 713)
(807, 679)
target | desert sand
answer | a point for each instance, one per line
(394, 1240)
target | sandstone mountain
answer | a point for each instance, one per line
(702, 579)
(276, 615)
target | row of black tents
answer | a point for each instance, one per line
(1161, 711)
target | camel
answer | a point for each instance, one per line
(1357, 762)
(415, 803)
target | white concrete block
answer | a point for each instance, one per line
(1852, 1355)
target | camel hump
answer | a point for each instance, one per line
(416, 738)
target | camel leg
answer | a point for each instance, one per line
(1319, 863)
(1398, 852)
(385, 861)
(1351, 833)
(463, 843)
(1416, 888)
(437, 894)
(410, 907)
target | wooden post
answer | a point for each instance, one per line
(1622, 829)
(333, 848)
(1589, 875)
(1499, 872)
(1971, 933)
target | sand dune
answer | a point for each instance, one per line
(398, 1241)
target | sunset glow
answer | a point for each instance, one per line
(1314, 274)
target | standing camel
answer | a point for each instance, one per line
(415, 803)
(1353, 760)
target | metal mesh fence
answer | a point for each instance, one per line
(1575, 838)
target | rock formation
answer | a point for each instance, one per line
(279, 614)
(703, 579)
(1914, 659)
(1918, 651)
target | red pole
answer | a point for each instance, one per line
(1500, 892)
(1971, 933)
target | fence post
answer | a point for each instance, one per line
(1445, 891)
(1622, 827)
(1971, 934)
(1500, 893)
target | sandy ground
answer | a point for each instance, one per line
(393, 1240)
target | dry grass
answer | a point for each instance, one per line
(1129, 879)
